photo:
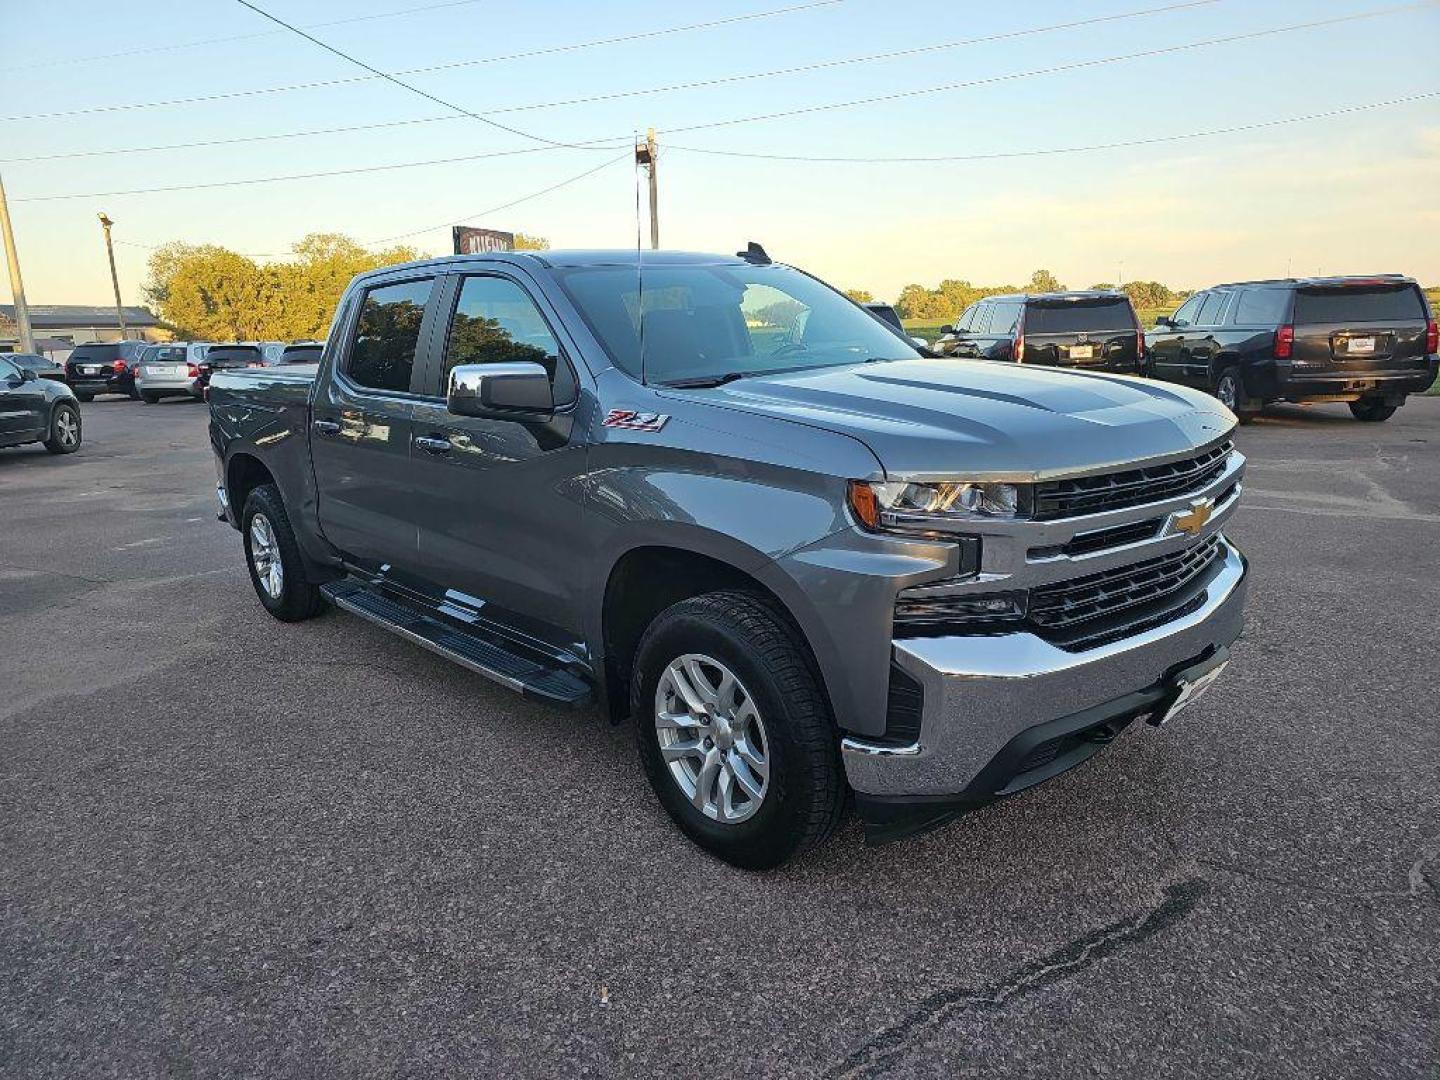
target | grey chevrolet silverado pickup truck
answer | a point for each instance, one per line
(713, 496)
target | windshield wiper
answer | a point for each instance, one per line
(706, 381)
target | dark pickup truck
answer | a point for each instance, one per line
(717, 498)
(1366, 341)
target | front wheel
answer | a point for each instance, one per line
(1372, 412)
(64, 429)
(734, 732)
(273, 556)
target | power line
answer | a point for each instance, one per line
(145, 50)
(1053, 70)
(322, 83)
(626, 93)
(396, 81)
(1000, 155)
(251, 181)
(416, 232)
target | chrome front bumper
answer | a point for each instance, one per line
(980, 692)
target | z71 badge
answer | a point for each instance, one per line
(630, 420)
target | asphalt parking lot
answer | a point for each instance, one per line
(232, 847)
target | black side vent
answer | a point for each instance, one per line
(902, 712)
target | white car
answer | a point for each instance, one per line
(171, 370)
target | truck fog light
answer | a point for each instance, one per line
(922, 612)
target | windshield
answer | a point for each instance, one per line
(704, 323)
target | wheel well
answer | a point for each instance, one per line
(242, 476)
(646, 581)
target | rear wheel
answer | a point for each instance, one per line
(273, 556)
(1229, 388)
(1371, 411)
(734, 733)
(148, 398)
(87, 398)
(64, 429)
(133, 393)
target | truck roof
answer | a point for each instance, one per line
(1069, 294)
(574, 258)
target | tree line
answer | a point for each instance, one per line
(205, 292)
(952, 296)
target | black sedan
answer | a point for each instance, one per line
(33, 409)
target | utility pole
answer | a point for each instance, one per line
(645, 154)
(105, 224)
(17, 286)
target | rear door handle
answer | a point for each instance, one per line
(327, 427)
(432, 445)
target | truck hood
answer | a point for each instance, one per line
(936, 418)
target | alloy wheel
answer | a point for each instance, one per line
(67, 427)
(712, 738)
(265, 556)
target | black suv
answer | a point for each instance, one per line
(1096, 330)
(104, 367)
(1367, 341)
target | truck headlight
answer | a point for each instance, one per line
(947, 506)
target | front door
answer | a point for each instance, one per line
(23, 406)
(361, 428)
(1166, 344)
(497, 500)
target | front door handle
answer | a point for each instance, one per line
(432, 445)
(327, 427)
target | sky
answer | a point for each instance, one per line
(1354, 192)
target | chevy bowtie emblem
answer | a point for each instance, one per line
(1193, 520)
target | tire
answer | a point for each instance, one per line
(149, 399)
(85, 398)
(1229, 388)
(65, 432)
(790, 729)
(1372, 412)
(133, 393)
(265, 528)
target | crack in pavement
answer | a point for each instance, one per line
(1423, 877)
(878, 1053)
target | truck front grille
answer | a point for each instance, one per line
(1067, 605)
(1082, 495)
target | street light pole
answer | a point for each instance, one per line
(105, 224)
(17, 286)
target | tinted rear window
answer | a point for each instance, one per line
(1377, 303)
(1067, 317)
(302, 354)
(227, 353)
(95, 353)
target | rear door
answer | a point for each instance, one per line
(1086, 332)
(1361, 327)
(495, 503)
(361, 426)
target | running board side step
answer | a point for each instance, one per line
(527, 675)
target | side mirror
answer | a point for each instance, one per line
(517, 391)
(1163, 320)
(947, 329)
(26, 375)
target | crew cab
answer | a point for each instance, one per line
(719, 500)
(1095, 329)
(1365, 341)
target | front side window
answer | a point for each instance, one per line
(966, 318)
(1188, 310)
(496, 322)
(8, 370)
(699, 323)
(387, 335)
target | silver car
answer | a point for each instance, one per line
(171, 370)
